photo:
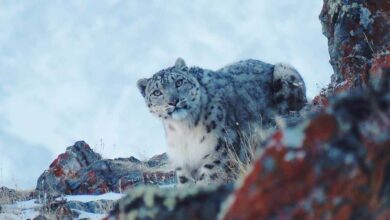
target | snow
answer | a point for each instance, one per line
(27, 204)
(88, 215)
(90, 198)
(21, 210)
(28, 209)
(8, 216)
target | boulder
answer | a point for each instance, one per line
(335, 165)
(357, 33)
(82, 171)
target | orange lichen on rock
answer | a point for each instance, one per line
(331, 183)
(320, 130)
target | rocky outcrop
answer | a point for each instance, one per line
(82, 171)
(337, 167)
(358, 35)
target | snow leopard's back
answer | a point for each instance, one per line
(251, 91)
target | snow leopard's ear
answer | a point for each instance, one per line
(180, 64)
(141, 84)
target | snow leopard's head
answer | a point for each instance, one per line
(172, 93)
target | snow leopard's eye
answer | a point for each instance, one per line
(157, 93)
(179, 83)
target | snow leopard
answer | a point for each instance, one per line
(207, 113)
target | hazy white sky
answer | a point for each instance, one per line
(68, 69)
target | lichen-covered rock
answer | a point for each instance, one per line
(335, 165)
(357, 32)
(63, 209)
(81, 171)
(100, 206)
(65, 167)
(171, 204)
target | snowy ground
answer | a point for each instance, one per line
(29, 209)
(20, 210)
(89, 198)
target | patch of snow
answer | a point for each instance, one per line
(21, 210)
(88, 215)
(29, 209)
(33, 203)
(8, 216)
(29, 213)
(90, 198)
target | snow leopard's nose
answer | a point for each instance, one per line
(173, 101)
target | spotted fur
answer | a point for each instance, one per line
(206, 113)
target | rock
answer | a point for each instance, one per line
(81, 171)
(357, 33)
(40, 217)
(158, 160)
(100, 206)
(335, 165)
(170, 204)
(58, 210)
(10, 196)
(65, 167)
(64, 209)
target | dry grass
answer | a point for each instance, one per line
(10, 196)
(240, 165)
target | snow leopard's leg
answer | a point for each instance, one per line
(184, 177)
(289, 91)
(211, 172)
(214, 169)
